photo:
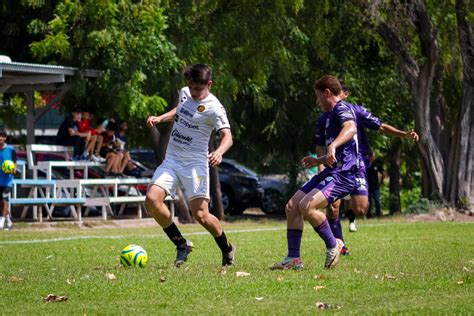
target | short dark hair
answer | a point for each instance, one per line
(76, 109)
(328, 82)
(3, 133)
(111, 126)
(344, 86)
(198, 73)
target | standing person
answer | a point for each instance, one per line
(334, 182)
(187, 161)
(69, 135)
(374, 171)
(7, 152)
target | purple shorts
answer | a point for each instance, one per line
(334, 185)
(361, 183)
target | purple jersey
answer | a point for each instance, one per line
(364, 119)
(346, 154)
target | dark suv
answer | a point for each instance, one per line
(240, 187)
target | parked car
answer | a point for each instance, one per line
(240, 186)
(276, 193)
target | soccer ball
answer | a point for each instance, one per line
(133, 256)
(8, 167)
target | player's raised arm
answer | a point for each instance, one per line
(226, 142)
(166, 117)
(310, 161)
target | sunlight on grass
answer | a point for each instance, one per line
(394, 267)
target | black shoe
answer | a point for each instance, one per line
(228, 259)
(182, 253)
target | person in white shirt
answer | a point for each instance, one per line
(187, 161)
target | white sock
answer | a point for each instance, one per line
(9, 221)
(2, 222)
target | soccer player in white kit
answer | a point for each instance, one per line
(187, 161)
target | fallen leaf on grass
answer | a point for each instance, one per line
(221, 271)
(14, 279)
(321, 305)
(389, 277)
(357, 271)
(110, 276)
(54, 298)
(70, 281)
(49, 257)
(280, 279)
(259, 298)
(319, 287)
(460, 282)
(242, 274)
(162, 279)
(466, 269)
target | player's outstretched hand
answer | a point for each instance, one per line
(309, 162)
(152, 120)
(215, 158)
(413, 135)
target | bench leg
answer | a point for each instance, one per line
(104, 212)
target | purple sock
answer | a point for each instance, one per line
(294, 242)
(336, 228)
(324, 231)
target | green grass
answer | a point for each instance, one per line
(394, 267)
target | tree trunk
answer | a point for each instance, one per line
(215, 186)
(394, 176)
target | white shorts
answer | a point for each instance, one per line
(194, 176)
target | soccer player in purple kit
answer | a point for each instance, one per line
(336, 181)
(359, 196)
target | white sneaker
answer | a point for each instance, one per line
(9, 222)
(352, 227)
(333, 255)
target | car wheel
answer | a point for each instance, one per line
(229, 204)
(273, 202)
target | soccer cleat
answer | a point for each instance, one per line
(289, 263)
(228, 259)
(352, 227)
(333, 255)
(345, 251)
(182, 253)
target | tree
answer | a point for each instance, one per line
(444, 151)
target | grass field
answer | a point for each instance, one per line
(394, 267)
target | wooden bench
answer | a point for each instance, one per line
(46, 202)
(47, 166)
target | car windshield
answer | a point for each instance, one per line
(243, 169)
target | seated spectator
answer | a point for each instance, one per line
(111, 151)
(95, 143)
(120, 136)
(69, 135)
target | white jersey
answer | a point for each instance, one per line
(193, 125)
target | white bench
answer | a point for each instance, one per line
(42, 186)
(47, 166)
(48, 202)
(99, 195)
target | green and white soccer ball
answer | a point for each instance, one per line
(8, 167)
(133, 256)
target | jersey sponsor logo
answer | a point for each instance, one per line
(186, 112)
(180, 138)
(188, 125)
(201, 108)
